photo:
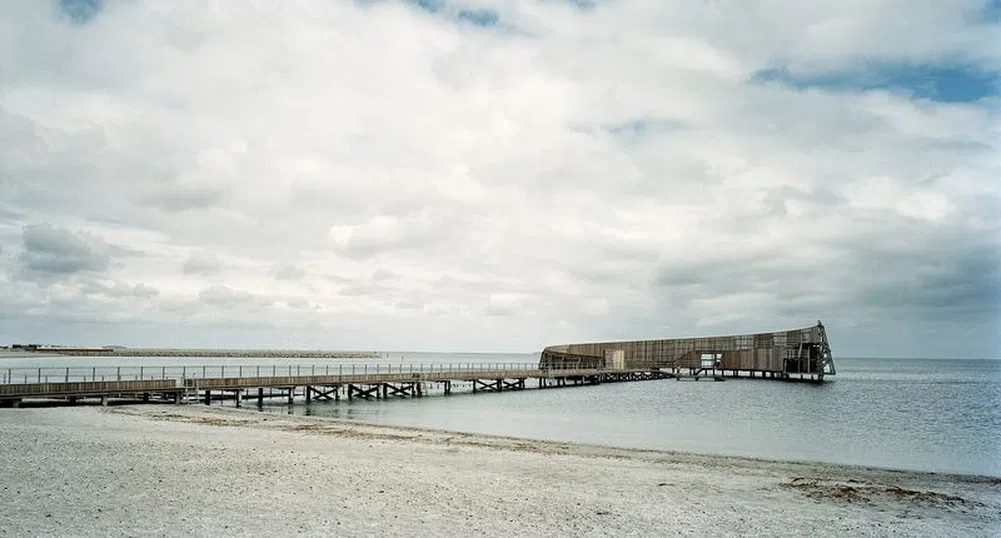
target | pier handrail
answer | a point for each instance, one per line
(67, 374)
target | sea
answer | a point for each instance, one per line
(909, 414)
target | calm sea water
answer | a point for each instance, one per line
(927, 415)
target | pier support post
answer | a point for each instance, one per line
(177, 398)
(291, 395)
(448, 387)
(104, 401)
(239, 397)
(208, 397)
(309, 394)
(260, 397)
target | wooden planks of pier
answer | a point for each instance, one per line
(378, 385)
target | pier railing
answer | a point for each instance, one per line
(140, 373)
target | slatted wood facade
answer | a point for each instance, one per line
(801, 351)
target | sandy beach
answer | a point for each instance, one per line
(196, 471)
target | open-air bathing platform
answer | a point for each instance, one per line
(797, 354)
(794, 355)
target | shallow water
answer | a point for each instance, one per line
(927, 415)
(923, 415)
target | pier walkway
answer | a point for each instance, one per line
(179, 384)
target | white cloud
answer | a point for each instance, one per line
(379, 176)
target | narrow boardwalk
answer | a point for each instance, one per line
(324, 382)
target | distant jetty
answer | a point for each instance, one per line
(207, 353)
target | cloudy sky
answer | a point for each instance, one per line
(499, 175)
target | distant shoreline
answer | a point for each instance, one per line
(180, 352)
(8, 354)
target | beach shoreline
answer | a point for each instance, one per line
(241, 472)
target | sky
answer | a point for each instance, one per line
(500, 175)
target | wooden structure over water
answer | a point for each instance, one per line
(204, 384)
(798, 354)
(792, 354)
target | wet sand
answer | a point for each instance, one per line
(197, 471)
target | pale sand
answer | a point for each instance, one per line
(195, 471)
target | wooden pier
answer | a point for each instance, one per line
(191, 384)
(794, 355)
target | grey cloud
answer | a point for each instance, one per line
(21, 147)
(142, 290)
(408, 304)
(187, 197)
(365, 246)
(224, 296)
(498, 310)
(54, 251)
(120, 290)
(506, 304)
(722, 269)
(202, 263)
(366, 289)
(383, 274)
(935, 277)
(287, 271)
(298, 303)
